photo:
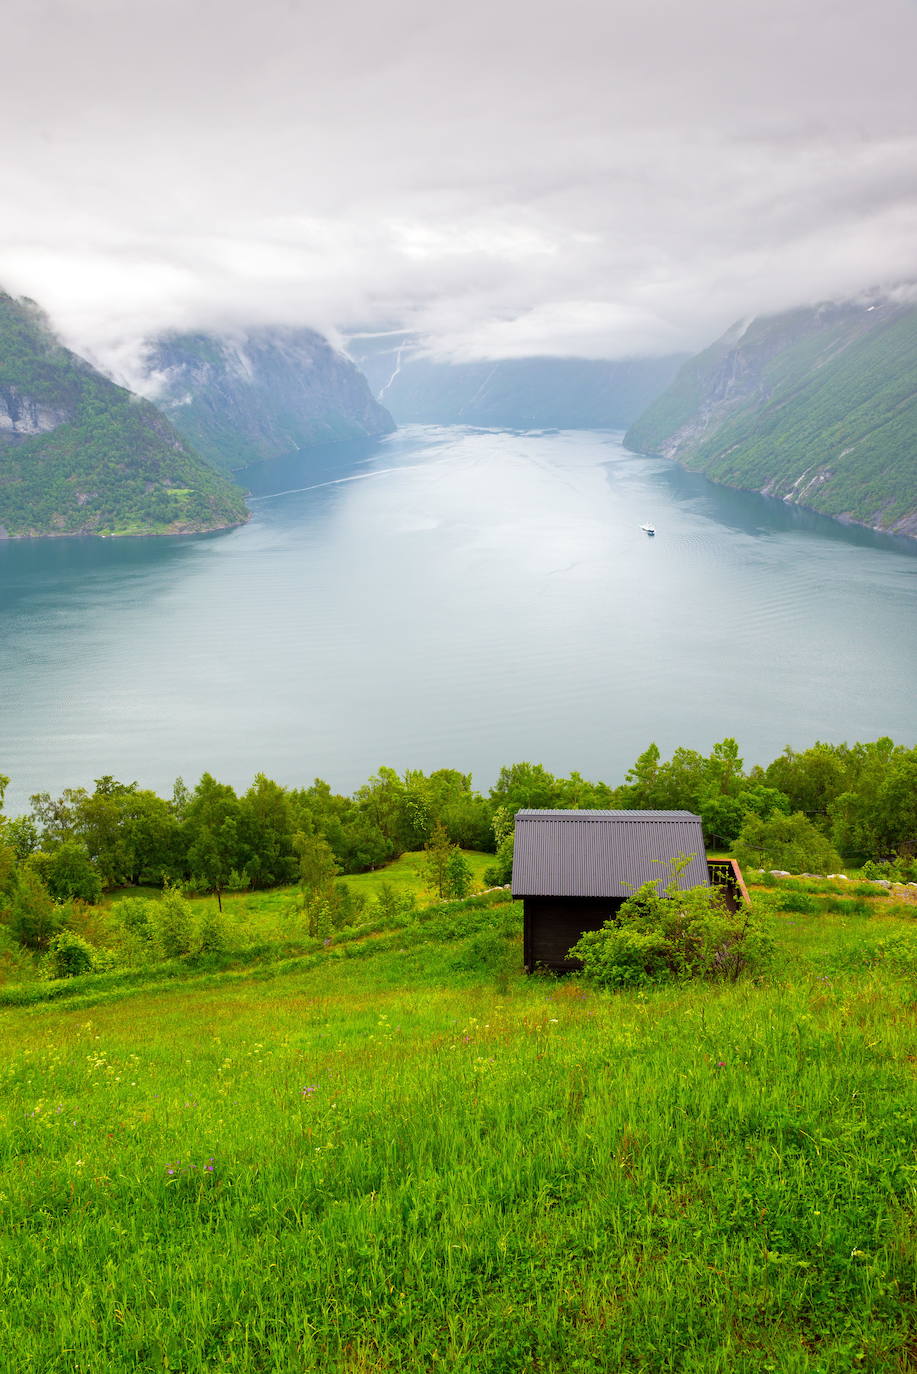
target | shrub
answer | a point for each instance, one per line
(796, 901)
(659, 936)
(350, 905)
(386, 901)
(214, 933)
(173, 924)
(896, 952)
(621, 956)
(34, 917)
(457, 880)
(70, 955)
(392, 909)
(845, 906)
(407, 907)
(134, 915)
(900, 869)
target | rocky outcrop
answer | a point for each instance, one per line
(21, 415)
(243, 398)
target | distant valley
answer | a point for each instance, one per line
(817, 406)
(511, 393)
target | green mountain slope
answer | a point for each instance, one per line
(263, 394)
(80, 455)
(817, 407)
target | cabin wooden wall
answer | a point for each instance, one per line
(551, 925)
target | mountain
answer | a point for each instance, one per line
(244, 398)
(80, 455)
(514, 393)
(817, 406)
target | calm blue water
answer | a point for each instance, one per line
(453, 597)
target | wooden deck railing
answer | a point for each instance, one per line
(725, 873)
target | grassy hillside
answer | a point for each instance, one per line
(397, 1157)
(265, 916)
(79, 455)
(817, 407)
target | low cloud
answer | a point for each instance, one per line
(609, 180)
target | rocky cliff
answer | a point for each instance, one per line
(817, 407)
(244, 398)
(80, 455)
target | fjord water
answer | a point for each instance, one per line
(453, 597)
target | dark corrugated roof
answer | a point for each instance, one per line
(603, 853)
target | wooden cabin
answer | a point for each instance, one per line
(573, 869)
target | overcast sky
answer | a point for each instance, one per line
(604, 178)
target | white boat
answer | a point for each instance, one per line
(649, 529)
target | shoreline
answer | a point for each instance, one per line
(125, 534)
(846, 522)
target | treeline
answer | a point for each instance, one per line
(816, 809)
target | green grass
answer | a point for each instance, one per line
(419, 1163)
(406, 874)
(259, 919)
(267, 913)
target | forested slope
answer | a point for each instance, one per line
(241, 399)
(817, 407)
(80, 455)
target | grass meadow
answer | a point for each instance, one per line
(269, 916)
(399, 1153)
